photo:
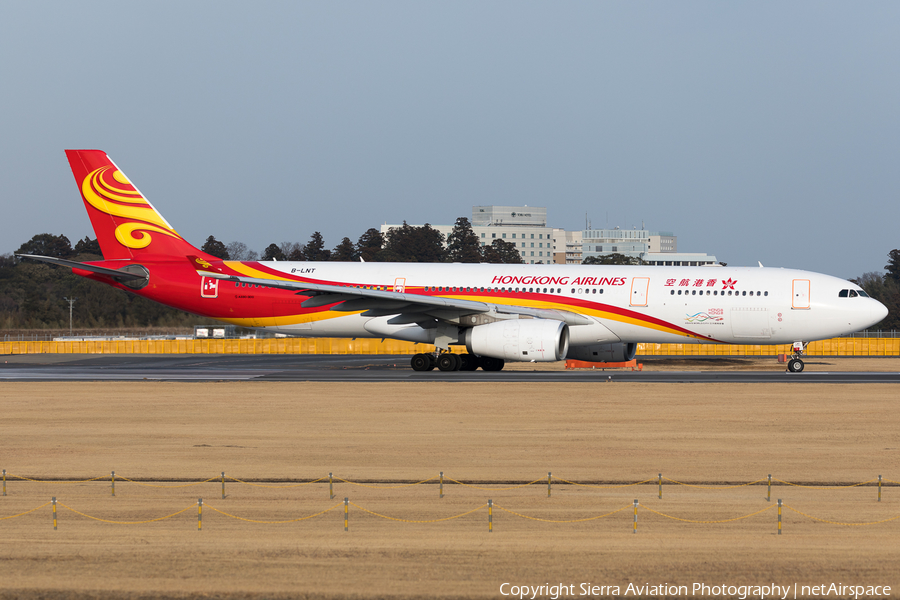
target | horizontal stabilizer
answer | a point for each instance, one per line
(115, 273)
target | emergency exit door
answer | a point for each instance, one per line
(639, 286)
(800, 296)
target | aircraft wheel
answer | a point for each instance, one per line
(449, 362)
(795, 365)
(488, 363)
(421, 362)
(469, 362)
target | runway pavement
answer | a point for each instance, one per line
(363, 368)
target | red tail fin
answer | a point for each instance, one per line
(126, 224)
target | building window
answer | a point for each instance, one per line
(482, 235)
(504, 236)
(514, 236)
(493, 235)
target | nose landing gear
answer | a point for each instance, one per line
(795, 365)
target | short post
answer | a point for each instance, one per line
(223, 485)
(634, 530)
(769, 494)
(549, 480)
(346, 514)
(490, 516)
(199, 514)
(112, 479)
(442, 485)
(4, 482)
(331, 486)
(779, 516)
(53, 500)
(879, 488)
(660, 486)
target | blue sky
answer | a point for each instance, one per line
(755, 131)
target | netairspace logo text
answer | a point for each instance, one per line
(698, 590)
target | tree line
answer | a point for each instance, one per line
(31, 294)
(406, 243)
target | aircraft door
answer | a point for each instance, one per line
(400, 284)
(639, 287)
(800, 296)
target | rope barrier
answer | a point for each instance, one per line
(562, 521)
(263, 485)
(221, 512)
(385, 487)
(57, 480)
(706, 522)
(826, 487)
(168, 486)
(715, 487)
(478, 487)
(840, 523)
(590, 485)
(26, 512)
(414, 521)
(126, 522)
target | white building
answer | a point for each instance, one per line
(526, 227)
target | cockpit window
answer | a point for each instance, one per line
(843, 293)
(862, 293)
(853, 294)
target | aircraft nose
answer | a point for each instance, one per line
(877, 312)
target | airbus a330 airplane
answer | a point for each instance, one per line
(499, 312)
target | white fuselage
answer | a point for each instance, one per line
(754, 305)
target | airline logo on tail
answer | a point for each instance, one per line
(110, 192)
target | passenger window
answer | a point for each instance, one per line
(673, 292)
(679, 292)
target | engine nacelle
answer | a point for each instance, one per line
(539, 340)
(603, 352)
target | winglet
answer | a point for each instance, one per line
(204, 266)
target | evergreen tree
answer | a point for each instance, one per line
(501, 251)
(463, 245)
(893, 266)
(345, 251)
(370, 243)
(272, 252)
(88, 246)
(215, 248)
(413, 244)
(612, 259)
(315, 249)
(47, 244)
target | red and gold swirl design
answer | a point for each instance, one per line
(110, 192)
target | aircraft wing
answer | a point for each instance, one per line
(409, 308)
(114, 273)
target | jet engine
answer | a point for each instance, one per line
(539, 340)
(603, 352)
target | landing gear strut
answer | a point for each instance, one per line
(795, 365)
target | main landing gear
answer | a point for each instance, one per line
(447, 361)
(795, 365)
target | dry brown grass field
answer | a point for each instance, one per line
(603, 436)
